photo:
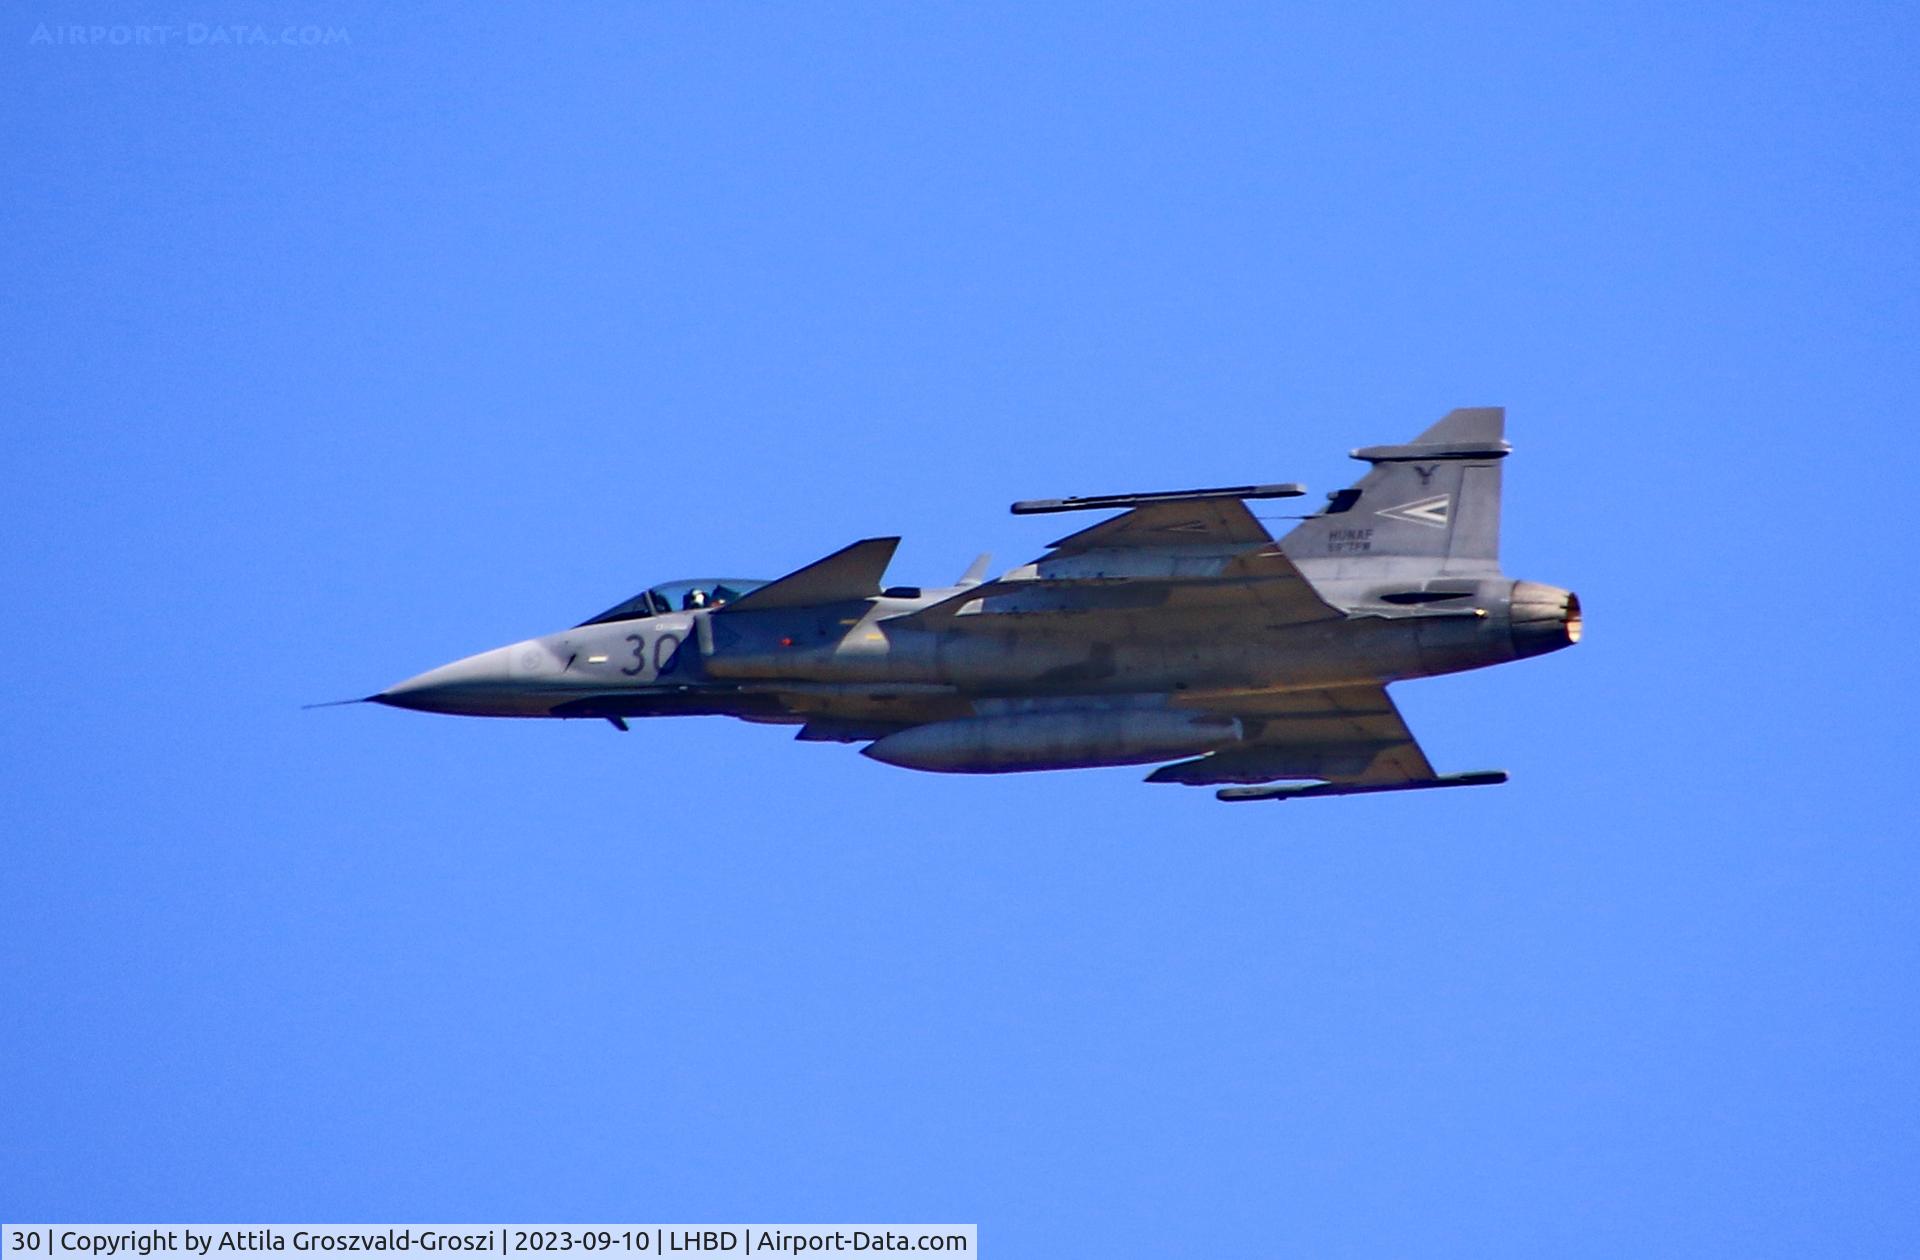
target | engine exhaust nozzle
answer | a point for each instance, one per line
(1542, 618)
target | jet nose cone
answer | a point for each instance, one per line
(482, 683)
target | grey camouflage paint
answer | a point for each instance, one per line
(1176, 629)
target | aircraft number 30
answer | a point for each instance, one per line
(665, 654)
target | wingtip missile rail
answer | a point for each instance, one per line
(1100, 502)
(1471, 778)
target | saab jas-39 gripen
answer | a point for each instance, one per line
(1177, 631)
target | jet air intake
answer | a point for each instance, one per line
(1054, 741)
(1543, 618)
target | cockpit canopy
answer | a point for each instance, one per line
(684, 595)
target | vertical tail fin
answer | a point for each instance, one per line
(1430, 506)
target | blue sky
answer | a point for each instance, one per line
(326, 364)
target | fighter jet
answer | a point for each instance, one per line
(1177, 631)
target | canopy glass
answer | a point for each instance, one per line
(682, 596)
